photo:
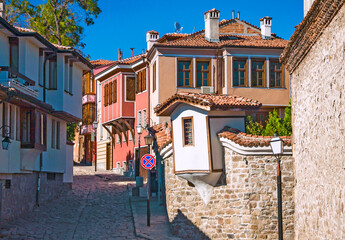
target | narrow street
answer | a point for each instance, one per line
(97, 208)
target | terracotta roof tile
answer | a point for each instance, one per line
(214, 101)
(212, 10)
(226, 40)
(162, 133)
(248, 140)
(309, 30)
(101, 62)
(153, 31)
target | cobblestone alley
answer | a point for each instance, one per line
(97, 208)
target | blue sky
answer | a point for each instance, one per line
(123, 24)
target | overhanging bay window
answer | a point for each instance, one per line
(33, 129)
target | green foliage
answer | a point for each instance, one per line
(254, 128)
(274, 124)
(71, 127)
(59, 21)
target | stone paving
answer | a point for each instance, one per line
(97, 208)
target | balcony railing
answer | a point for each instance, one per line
(17, 80)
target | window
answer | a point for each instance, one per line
(130, 136)
(115, 91)
(33, 129)
(117, 139)
(240, 73)
(188, 139)
(139, 117)
(276, 74)
(124, 165)
(51, 176)
(144, 118)
(184, 74)
(70, 78)
(130, 89)
(18, 124)
(154, 77)
(67, 75)
(105, 94)
(53, 137)
(89, 113)
(14, 56)
(123, 137)
(203, 73)
(258, 73)
(110, 96)
(57, 135)
(40, 67)
(141, 81)
(11, 121)
(118, 165)
(223, 73)
(53, 73)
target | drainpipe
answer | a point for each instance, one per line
(39, 181)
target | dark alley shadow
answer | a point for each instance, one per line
(182, 227)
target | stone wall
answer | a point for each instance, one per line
(318, 101)
(243, 207)
(21, 196)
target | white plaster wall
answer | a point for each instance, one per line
(216, 125)
(190, 157)
(4, 53)
(54, 160)
(72, 104)
(31, 59)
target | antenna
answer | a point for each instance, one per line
(193, 29)
(178, 27)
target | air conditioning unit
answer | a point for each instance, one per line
(207, 89)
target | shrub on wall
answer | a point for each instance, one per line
(274, 124)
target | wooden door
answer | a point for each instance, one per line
(108, 156)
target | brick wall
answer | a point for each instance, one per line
(21, 196)
(245, 207)
(318, 102)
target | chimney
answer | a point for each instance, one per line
(212, 25)
(151, 37)
(132, 51)
(265, 25)
(233, 14)
(120, 54)
(2, 8)
(238, 15)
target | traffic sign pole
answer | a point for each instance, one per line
(148, 162)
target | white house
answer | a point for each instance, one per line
(196, 120)
(40, 92)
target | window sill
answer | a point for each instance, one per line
(51, 88)
(71, 94)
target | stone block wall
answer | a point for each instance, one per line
(318, 111)
(245, 207)
(21, 196)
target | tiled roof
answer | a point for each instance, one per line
(212, 10)
(213, 101)
(226, 40)
(101, 62)
(27, 30)
(309, 30)
(248, 140)
(172, 36)
(153, 31)
(131, 60)
(162, 133)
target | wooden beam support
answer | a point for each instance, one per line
(129, 127)
(122, 130)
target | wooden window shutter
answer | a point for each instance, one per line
(130, 94)
(246, 74)
(114, 91)
(282, 83)
(264, 77)
(144, 79)
(105, 95)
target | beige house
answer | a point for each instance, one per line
(228, 57)
(315, 58)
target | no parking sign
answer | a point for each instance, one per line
(148, 161)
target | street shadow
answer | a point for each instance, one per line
(182, 227)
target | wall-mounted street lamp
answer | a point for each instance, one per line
(6, 134)
(277, 147)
